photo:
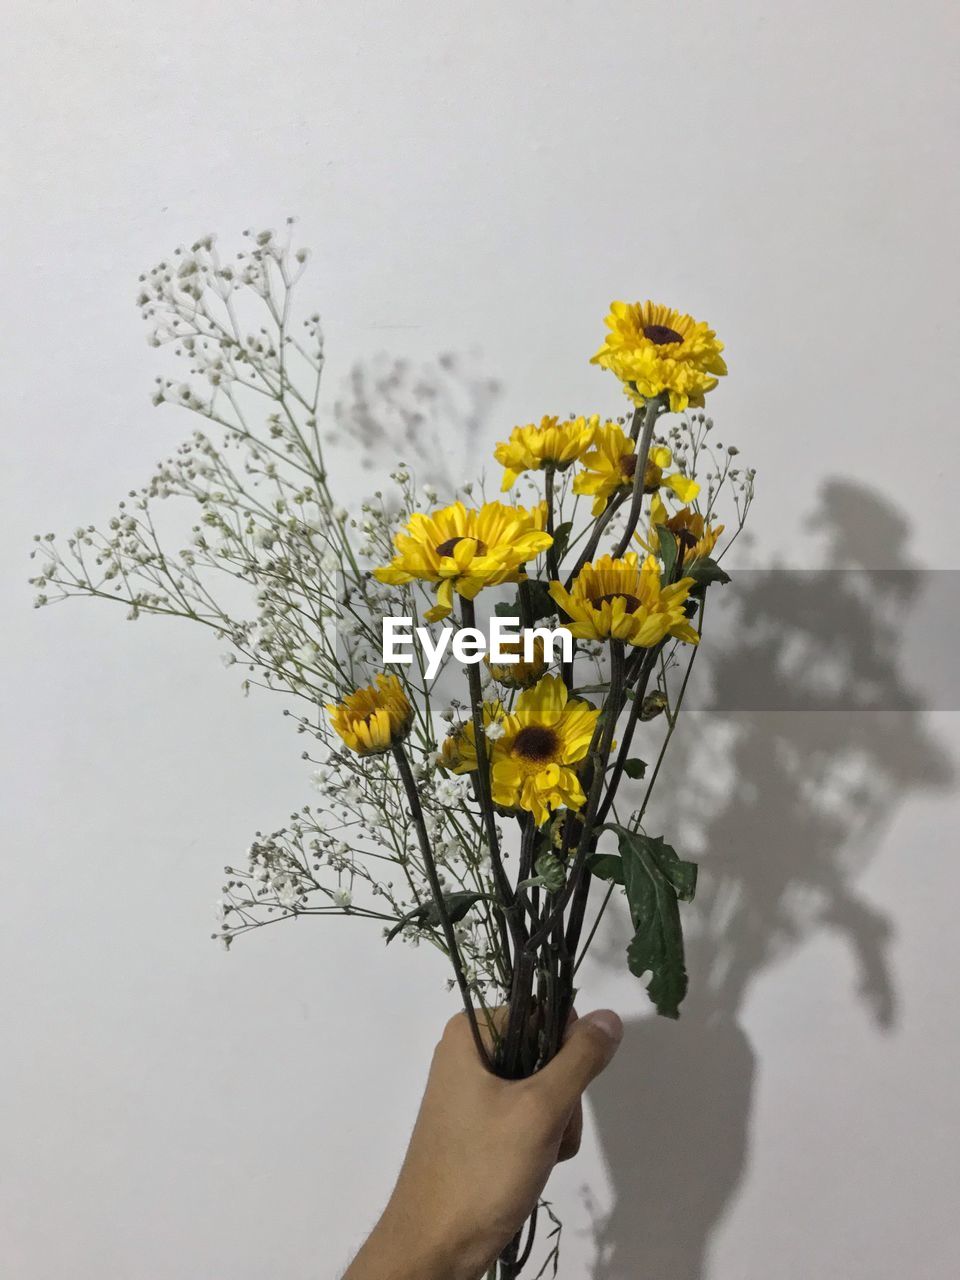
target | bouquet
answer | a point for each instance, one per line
(488, 686)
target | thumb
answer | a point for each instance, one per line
(590, 1044)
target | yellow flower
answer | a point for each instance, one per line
(695, 537)
(373, 718)
(552, 443)
(653, 349)
(533, 761)
(520, 674)
(620, 600)
(611, 464)
(533, 765)
(458, 753)
(465, 550)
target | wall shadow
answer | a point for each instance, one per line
(430, 415)
(784, 805)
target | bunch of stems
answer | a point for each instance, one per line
(541, 930)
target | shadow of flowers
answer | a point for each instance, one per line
(804, 739)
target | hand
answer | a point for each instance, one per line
(480, 1155)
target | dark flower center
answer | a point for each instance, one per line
(652, 474)
(536, 742)
(661, 334)
(686, 538)
(446, 548)
(632, 602)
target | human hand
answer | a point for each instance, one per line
(480, 1155)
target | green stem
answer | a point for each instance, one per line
(611, 710)
(505, 892)
(650, 415)
(416, 812)
(553, 569)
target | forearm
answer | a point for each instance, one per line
(400, 1248)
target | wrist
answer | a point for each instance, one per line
(403, 1247)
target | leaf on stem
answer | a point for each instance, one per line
(428, 917)
(656, 880)
(606, 866)
(668, 552)
(704, 571)
(541, 605)
(561, 537)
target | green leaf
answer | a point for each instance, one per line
(635, 768)
(668, 551)
(704, 571)
(606, 866)
(551, 872)
(428, 917)
(656, 879)
(561, 536)
(542, 604)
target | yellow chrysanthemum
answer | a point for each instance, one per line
(695, 537)
(373, 718)
(612, 463)
(653, 349)
(458, 752)
(533, 761)
(552, 443)
(622, 600)
(465, 550)
(519, 674)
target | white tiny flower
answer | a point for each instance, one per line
(494, 731)
(307, 654)
(340, 514)
(264, 538)
(228, 659)
(286, 891)
(451, 791)
(342, 897)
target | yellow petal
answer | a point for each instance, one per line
(685, 488)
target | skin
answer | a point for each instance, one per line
(480, 1155)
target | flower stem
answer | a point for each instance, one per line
(416, 812)
(611, 710)
(650, 415)
(553, 569)
(506, 894)
(635, 710)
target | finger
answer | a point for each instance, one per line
(570, 1142)
(491, 1023)
(591, 1043)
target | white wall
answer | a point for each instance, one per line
(477, 177)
